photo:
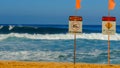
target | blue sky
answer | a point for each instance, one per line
(54, 11)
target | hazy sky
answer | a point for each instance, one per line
(54, 11)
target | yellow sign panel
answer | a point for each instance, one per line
(109, 27)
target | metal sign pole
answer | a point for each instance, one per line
(76, 11)
(108, 49)
(74, 48)
(108, 42)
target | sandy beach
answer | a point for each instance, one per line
(21, 64)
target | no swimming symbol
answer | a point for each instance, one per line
(75, 26)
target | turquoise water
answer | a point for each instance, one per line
(91, 46)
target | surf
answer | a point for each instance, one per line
(68, 36)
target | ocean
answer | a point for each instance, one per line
(53, 43)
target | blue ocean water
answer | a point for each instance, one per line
(54, 43)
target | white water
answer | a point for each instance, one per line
(97, 36)
(30, 55)
(41, 55)
(1, 27)
(52, 56)
(11, 27)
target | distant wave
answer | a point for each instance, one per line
(11, 27)
(47, 29)
(1, 27)
(97, 36)
(32, 29)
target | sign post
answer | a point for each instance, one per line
(75, 26)
(74, 48)
(108, 28)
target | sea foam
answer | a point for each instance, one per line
(97, 36)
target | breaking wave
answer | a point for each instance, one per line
(48, 29)
(38, 29)
(97, 36)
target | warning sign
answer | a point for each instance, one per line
(75, 24)
(109, 25)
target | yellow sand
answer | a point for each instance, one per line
(16, 64)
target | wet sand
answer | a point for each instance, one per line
(22, 64)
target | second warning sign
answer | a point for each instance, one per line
(109, 25)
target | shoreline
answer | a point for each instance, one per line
(28, 64)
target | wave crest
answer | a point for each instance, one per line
(97, 36)
(11, 27)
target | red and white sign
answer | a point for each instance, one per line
(75, 24)
(108, 25)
